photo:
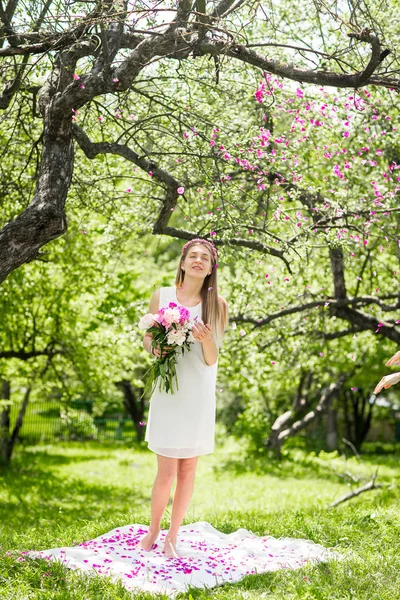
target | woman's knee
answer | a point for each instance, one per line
(165, 478)
(187, 468)
(167, 469)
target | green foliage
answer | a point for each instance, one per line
(82, 298)
(77, 425)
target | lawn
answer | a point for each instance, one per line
(60, 494)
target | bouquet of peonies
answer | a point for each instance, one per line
(171, 329)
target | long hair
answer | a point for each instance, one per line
(213, 309)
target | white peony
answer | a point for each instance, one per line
(176, 337)
(146, 321)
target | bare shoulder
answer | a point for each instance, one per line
(223, 302)
(155, 302)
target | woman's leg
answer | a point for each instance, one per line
(167, 469)
(182, 497)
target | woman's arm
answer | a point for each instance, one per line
(224, 313)
(202, 333)
(153, 308)
(210, 352)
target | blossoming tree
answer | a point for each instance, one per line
(66, 61)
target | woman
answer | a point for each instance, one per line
(181, 426)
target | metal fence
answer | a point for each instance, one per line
(52, 420)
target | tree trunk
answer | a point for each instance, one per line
(358, 423)
(7, 437)
(134, 406)
(19, 421)
(337, 266)
(5, 422)
(332, 429)
(44, 220)
(327, 397)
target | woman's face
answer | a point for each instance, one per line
(198, 262)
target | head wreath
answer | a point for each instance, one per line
(209, 245)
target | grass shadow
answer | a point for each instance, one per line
(295, 464)
(288, 466)
(35, 496)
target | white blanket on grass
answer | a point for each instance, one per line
(208, 558)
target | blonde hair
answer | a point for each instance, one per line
(213, 308)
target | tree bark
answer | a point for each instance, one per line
(332, 429)
(8, 438)
(336, 256)
(358, 423)
(5, 421)
(325, 401)
(18, 423)
(134, 406)
(44, 220)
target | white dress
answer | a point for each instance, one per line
(181, 425)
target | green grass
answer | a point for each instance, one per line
(59, 494)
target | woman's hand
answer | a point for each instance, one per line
(394, 361)
(157, 352)
(387, 381)
(201, 332)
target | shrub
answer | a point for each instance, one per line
(77, 425)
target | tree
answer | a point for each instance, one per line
(111, 44)
(72, 333)
(307, 234)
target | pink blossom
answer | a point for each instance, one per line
(259, 93)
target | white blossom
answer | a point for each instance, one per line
(146, 321)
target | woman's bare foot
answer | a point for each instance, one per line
(147, 541)
(170, 548)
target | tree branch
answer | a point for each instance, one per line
(161, 225)
(371, 485)
(224, 7)
(341, 308)
(92, 149)
(322, 406)
(254, 245)
(329, 78)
